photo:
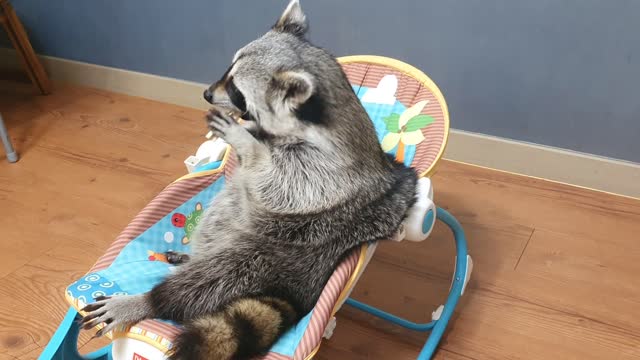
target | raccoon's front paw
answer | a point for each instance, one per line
(225, 127)
(113, 311)
(222, 124)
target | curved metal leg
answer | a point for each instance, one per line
(12, 156)
(461, 276)
(457, 287)
(64, 342)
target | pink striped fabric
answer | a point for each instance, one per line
(410, 91)
(163, 329)
(231, 164)
(274, 356)
(324, 308)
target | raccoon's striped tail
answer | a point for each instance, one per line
(246, 328)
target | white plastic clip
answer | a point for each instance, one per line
(400, 235)
(467, 274)
(436, 314)
(208, 152)
(192, 162)
(331, 326)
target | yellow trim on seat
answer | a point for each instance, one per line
(220, 168)
(352, 279)
(141, 338)
(343, 294)
(418, 75)
(314, 352)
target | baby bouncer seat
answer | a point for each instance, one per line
(412, 123)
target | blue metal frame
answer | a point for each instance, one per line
(63, 344)
(12, 155)
(437, 327)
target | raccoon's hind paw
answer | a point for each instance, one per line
(114, 311)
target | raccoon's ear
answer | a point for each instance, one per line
(291, 88)
(293, 20)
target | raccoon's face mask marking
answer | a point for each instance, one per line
(235, 96)
(225, 93)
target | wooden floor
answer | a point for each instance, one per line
(556, 267)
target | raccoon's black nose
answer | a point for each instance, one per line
(208, 95)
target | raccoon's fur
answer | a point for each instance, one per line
(312, 184)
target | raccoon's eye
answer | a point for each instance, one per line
(235, 96)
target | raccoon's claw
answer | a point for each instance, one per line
(113, 311)
(176, 258)
(224, 126)
(95, 313)
(220, 122)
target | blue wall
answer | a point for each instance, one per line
(558, 72)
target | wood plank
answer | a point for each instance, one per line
(31, 355)
(487, 325)
(495, 326)
(495, 249)
(594, 278)
(33, 301)
(484, 196)
(5, 356)
(355, 340)
(79, 139)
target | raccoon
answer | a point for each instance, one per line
(312, 184)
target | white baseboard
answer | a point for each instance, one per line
(575, 168)
(546, 162)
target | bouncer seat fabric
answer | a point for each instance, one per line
(411, 121)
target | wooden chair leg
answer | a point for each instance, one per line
(14, 42)
(21, 43)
